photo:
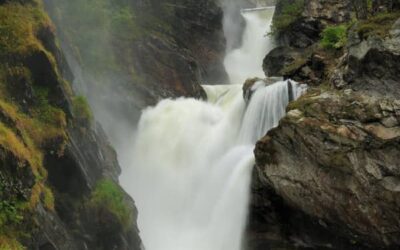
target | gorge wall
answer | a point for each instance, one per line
(327, 176)
(58, 173)
(143, 51)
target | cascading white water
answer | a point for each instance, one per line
(246, 61)
(267, 106)
(192, 160)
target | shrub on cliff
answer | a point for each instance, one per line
(110, 197)
(334, 37)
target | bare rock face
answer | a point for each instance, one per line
(371, 63)
(335, 157)
(299, 23)
(333, 11)
(331, 165)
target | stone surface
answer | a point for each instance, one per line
(331, 159)
(50, 161)
(332, 162)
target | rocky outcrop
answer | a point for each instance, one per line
(335, 157)
(331, 163)
(371, 61)
(298, 23)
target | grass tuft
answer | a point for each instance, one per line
(82, 109)
(291, 12)
(334, 37)
(110, 196)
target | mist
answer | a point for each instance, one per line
(90, 36)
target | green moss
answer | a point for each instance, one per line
(334, 37)
(10, 243)
(291, 12)
(10, 141)
(27, 132)
(82, 109)
(379, 25)
(18, 25)
(110, 196)
(10, 213)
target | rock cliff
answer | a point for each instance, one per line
(327, 176)
(58, 173)
(141, 51)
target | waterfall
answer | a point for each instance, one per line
(191, 163)
(267, 106)
(246, 61)
(192, 166)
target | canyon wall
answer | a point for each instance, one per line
(327, 177)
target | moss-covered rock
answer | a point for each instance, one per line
(46, 157)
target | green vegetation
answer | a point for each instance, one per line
(291, 12)
(10, 213)
(18, 25)
(82, 109)
(28, 127)
(110, 196)
(334, 37)
(9, 243)
(379, 24)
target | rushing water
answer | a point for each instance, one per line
(246, 61)
(190, 166)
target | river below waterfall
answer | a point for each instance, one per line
(189, 169)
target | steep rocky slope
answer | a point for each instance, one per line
(130, 54)
(58, 173)
(328, 176)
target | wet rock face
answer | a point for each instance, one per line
(335, 157)
(176, 61)
(198, 46)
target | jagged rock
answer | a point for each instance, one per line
(300, 65)
(334, 11)
(281, 61)
(301, 34)
(49, 161)
(331, 159)
(372, 63)
(313, 16)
